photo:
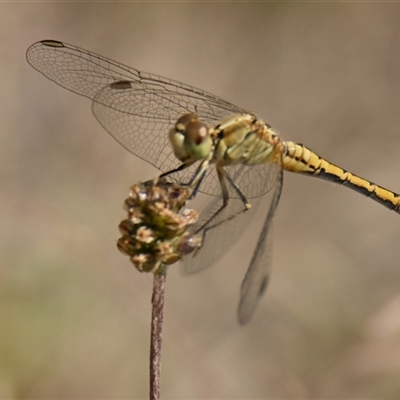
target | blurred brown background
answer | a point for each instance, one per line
(75, 313)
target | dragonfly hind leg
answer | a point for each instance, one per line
(223, 176)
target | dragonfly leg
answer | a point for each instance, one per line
(198, 184)
(172, 171)
(197, 179)
(223, 176)
(238, 191)
(180, 168)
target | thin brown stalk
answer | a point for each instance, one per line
(157, 316)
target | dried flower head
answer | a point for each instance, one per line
(156, 232)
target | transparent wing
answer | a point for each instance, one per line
(152, 102)
(138, 108)
(148, 137)
(86, 73)
(222, 232)
(257, 275)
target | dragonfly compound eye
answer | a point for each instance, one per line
(197, 141)
(183, 122)
(190, 138)
(196, 132)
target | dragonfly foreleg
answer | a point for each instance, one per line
(172, 171)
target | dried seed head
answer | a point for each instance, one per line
(145, 235)
(156, 232)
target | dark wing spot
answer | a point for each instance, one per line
(121, 85)
(52, 43)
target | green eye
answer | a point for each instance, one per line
(197, 140)
(190, 138)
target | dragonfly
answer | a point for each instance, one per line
(198, 139)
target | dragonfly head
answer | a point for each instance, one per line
(191, 138)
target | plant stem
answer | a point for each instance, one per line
(157, 316)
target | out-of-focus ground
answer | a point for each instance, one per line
(74, 311)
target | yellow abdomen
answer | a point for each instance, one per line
(299, 158)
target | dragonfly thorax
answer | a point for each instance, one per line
(245, 139)
(191, 139)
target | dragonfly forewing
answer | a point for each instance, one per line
(141, 93)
